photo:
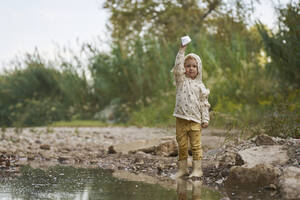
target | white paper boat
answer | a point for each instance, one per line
(185, 40)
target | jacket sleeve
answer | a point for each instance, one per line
(178, 69)
(204, 104)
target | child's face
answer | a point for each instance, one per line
(191, 68)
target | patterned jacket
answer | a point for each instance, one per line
(191, 94)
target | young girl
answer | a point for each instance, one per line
(191, 110)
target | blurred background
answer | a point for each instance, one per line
(96, 63)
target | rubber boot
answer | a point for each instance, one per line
(182, 169)
(197, 169)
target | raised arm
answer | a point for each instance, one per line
(178, 68)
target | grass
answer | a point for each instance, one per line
(82, 123)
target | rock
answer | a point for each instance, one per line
(231, 159)
(2, 150)
(45, 147)
(47, 155)
(87, 149)
(259, 176)
(289, 183)
(261, 166)
(149, 150)
(63, 158)
(140, 153)
(21, 154)
(269, 155)
(38, 142)
(94, 161)
(264, 140)
(111, 150)
(270, 187)
(67, 149)
(138, 161)
(167, 148)
(30, 157)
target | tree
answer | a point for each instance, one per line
(283, 47)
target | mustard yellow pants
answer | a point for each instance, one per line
(188, 130)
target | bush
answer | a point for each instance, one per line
(39, 94)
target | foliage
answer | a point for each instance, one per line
(40, 94)
(132, 78)
(283, 47)
(156, 18)
(157, 113)
(168, 20)
(283, 120)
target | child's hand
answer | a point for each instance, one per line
(183, 46)
(204, 125)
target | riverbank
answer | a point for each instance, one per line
(149, 154)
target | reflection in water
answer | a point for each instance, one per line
(88, 184)
(196, 192)
(193, 190)
(182, 190)
(79, 184)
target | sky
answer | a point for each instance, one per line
(49, 24)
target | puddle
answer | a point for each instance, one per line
(61, 182)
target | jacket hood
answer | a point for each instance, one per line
(199, 62)
(205, 92)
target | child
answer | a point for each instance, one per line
(191, 110)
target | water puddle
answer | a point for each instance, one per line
(64, 183)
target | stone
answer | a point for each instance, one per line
(38, 142)
(45, 147)
(140, 153)
(230, 159)
(260, 168)
(259, 176)
(269, 155)
(138, 161)
(111, 150)
(63, 158)
(289, 183)
(30, 157)
(264, 140)
(167, 148)
(3, 150)
(47, 155)
(94, 161)
(270, 187)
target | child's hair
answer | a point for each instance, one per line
(189, 57)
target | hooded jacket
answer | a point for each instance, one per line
(191, 94)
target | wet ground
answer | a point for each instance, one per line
(131, 154)
(77, 183)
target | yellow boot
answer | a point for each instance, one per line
(197, 169)
(182, 169)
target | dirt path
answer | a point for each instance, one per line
(65, 140)
(108, 147)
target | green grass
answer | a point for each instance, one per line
(82, 123)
